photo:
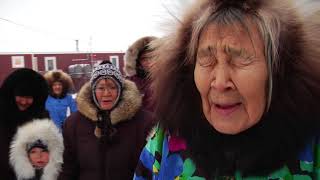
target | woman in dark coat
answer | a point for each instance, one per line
(137, 66)
(22, 97)
(104, 138)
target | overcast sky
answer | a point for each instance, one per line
(99, 25)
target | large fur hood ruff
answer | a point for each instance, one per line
(130, 102)
(59, 76)
(293, 116)
(46, 131)
(132, 54)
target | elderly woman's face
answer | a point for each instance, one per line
(106, 93)
(231, 76)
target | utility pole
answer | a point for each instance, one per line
(77, 45)
(90, 47)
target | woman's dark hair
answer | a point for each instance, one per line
(23, 82)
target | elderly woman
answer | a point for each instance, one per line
(104, 138)
(240, 97)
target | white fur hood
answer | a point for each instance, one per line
(47, 132)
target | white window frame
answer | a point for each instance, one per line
(47, 59)
(35, 63)
(116, 61)
(17, 61)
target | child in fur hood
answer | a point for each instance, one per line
(36, 151)
(38, 154)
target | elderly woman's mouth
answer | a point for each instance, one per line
(226, 109)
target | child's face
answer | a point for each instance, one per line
(39, 157)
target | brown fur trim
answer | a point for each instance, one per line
(60, 76)
(130, 102)
(293, 117)
(298, 46)
(132, 53)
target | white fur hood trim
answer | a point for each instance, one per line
(46, 131)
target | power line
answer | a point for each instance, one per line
(38, 30)
(170, 12)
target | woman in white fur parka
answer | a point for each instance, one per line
(44, 131)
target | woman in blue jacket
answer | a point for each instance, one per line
(58, 102)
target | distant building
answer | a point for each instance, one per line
(77, 64)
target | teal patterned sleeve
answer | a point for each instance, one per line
(149, 161)
(317, 159)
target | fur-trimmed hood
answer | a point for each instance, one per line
(129, 103)
(38, 129)
(131, 55)
(293, 116)
(59, 76)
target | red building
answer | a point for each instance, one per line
(77, 64)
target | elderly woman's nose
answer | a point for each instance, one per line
(221, 80)
(107, 91)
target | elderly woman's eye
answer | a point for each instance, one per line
(112, 87)
(243, 60)
(205, 61)
(206, 56)
(100, 89)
